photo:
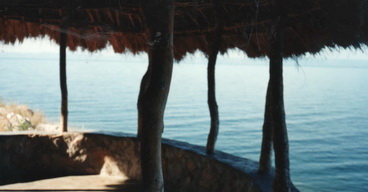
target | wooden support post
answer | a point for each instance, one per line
(142, 90)
(282, 182)
(266, 150)
(280, 137)
(159, 17)
(63, 80)
(211, 94)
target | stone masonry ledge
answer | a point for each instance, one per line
(187, 168)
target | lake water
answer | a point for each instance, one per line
(326, 106)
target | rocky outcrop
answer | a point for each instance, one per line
(21, 118)
(17, 122)
(186, 167)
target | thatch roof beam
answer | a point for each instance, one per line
(122, 4)
(202, 19)
(245, 10)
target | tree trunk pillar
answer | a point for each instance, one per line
(211, 96)
(159, 17)
(282, 182)
(266, 150)
(211, 80)
(142, 90)
(63, 80)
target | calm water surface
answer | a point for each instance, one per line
(326, 107)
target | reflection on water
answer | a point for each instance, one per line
(326, 108)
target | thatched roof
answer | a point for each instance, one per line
(310, 25)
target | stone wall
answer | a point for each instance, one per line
(187, 168)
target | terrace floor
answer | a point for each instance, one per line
(76, 183)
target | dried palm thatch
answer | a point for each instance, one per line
(310, 25)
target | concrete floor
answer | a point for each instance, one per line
(77, 183)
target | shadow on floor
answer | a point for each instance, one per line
(129, 185)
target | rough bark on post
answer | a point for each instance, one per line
(63, 80)
(211, 95)
(159, 17)
(143, 87)
(266, 150)
(282, 182)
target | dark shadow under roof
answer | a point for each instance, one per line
(310, 25)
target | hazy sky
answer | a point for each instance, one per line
(47, 46)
